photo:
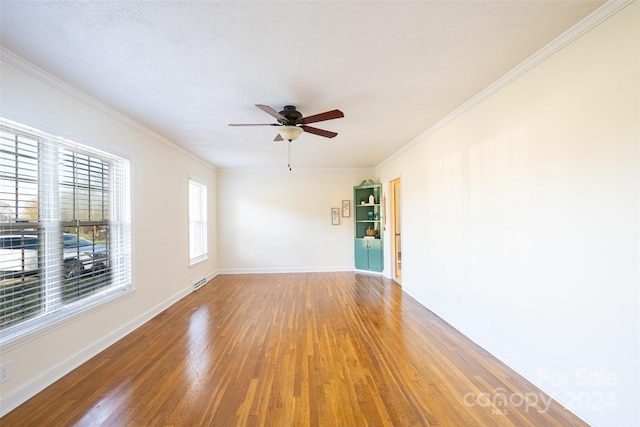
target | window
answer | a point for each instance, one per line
(64, 228)
(197, 221)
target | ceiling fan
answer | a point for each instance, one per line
(292, 123)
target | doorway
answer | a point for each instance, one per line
(396, 229)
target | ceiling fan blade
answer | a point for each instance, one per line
(278, 138)
(328, 115)
(253, 124)
(321, 132)
(271, 112)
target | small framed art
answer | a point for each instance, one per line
(335, 216)
(346, 208)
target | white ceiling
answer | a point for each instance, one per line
(186, 69)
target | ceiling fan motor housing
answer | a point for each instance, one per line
(291, 114)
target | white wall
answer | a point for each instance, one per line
(160, 258)
(277, 220)
(521, 223)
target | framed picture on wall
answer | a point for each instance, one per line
(335, 216)
(346, 208)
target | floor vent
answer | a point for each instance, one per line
(200, 283)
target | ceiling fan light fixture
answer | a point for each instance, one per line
(290, 133)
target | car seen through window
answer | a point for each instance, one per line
(19, 255)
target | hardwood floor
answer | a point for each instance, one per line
(318, 349)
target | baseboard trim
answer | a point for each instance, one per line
(285, 270)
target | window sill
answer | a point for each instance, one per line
(198, 260)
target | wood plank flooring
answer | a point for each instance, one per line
(313, 349)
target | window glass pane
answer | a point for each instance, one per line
(86, 260)
(21, 255)
(18, 177)
(84, 187)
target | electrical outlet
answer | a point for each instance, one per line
(4, 372)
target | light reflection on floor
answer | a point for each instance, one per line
(199, 352)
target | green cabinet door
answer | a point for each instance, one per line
(375, 255)
(361, 254)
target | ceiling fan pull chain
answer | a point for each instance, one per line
(289, 162)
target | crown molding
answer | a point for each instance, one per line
(33, 70)
(599, 15)
(294, 169)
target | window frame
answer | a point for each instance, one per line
(201, 253)
(54, 309)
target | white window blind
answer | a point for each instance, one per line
(64, 228)
(197, 221)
